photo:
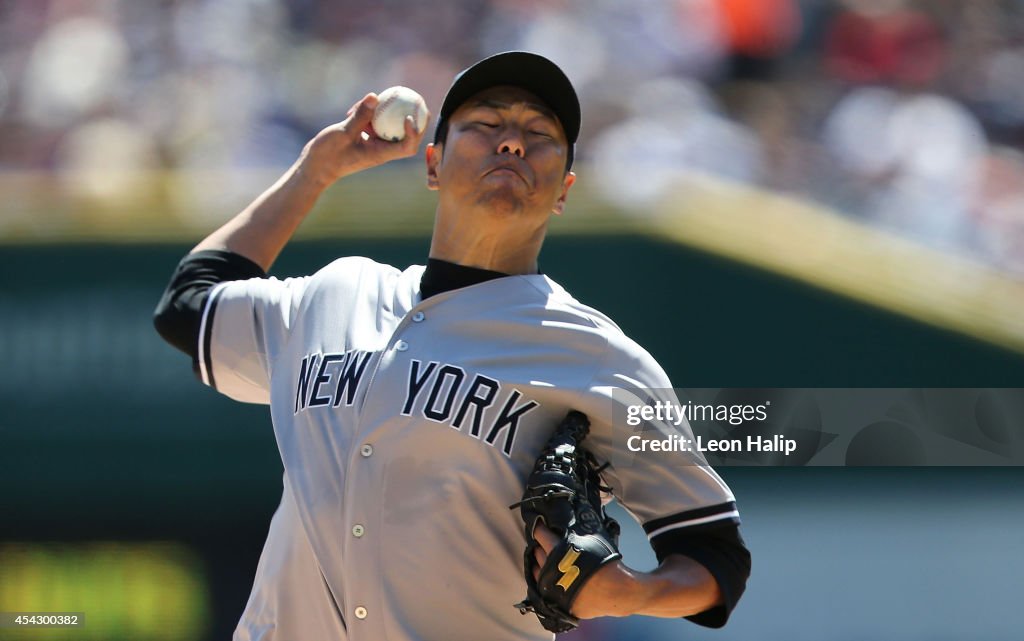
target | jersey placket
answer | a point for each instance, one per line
(365, 537)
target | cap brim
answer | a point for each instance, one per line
(529, 71)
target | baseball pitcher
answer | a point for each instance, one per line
(412, 407)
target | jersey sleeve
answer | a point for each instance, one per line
(683, 505)
(243, 327)
(665, 490)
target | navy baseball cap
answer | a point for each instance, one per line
(532, 72)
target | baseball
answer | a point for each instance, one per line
(395, 104)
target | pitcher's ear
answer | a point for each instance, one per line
(567, 182)
(433, 156)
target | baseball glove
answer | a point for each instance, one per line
(564, 492)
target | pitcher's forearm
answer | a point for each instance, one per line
(679, 587)
(263, 228)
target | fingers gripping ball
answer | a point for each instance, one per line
(396, 103)
(564, 492)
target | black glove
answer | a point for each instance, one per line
(564, 492)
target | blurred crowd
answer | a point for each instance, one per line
(904, 114)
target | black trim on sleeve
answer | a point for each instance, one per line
(720, 548)
(179, 313)
(206, 337)
(695, 518)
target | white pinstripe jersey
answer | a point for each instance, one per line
(407, 427)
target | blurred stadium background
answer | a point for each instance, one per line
(772, 193)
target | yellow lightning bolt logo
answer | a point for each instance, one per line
(568, 570)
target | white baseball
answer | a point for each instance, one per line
(395, 104)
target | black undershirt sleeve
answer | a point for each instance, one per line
(180, 311)
(719, 548)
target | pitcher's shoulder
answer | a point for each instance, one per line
(623, 359)
(559, 301)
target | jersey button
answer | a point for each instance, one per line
(360, 612)
(366, 450)
(401, 346)
(418, 317)
(357, 530)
